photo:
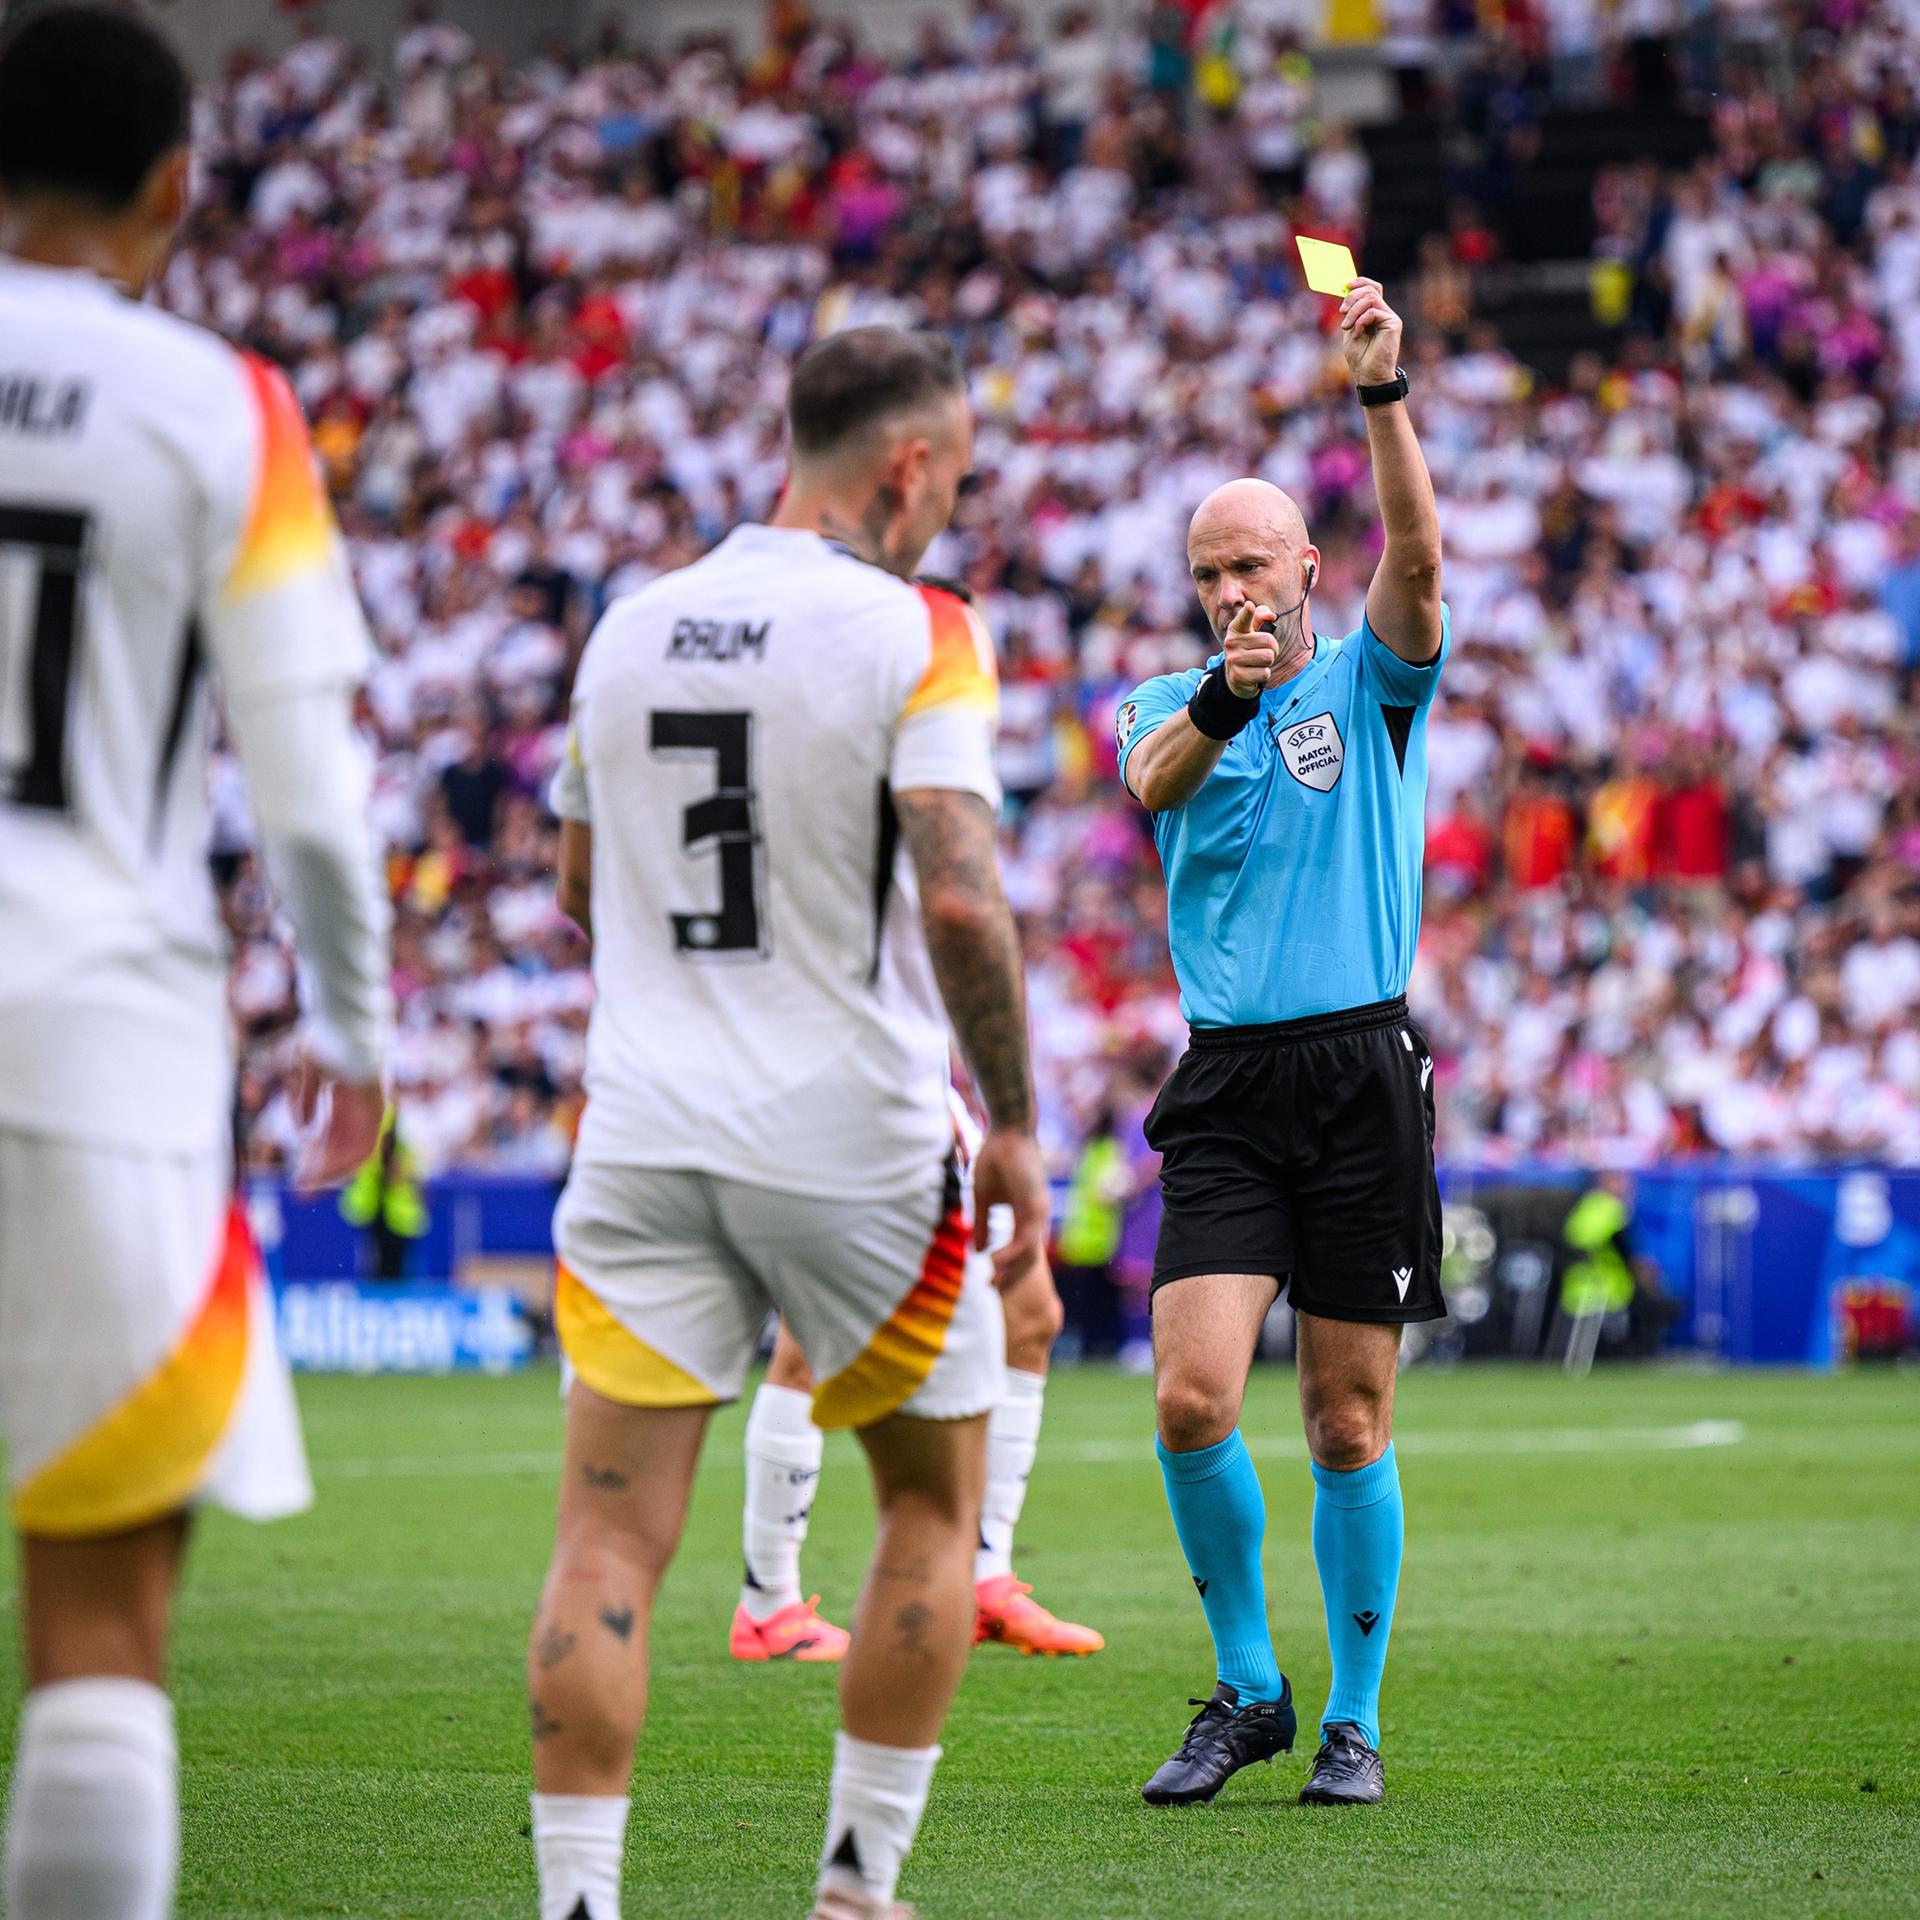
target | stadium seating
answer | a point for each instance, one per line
(1666, 351)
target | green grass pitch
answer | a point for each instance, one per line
(1658, 1652)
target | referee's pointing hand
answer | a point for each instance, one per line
(1252, 650)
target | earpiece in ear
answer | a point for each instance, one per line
(1313, 574)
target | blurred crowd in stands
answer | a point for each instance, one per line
(541, 314)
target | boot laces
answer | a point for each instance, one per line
(1204, 1726)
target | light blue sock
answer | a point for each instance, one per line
(1358, 1529)
(1220, 1515)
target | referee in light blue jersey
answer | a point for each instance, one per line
(1287, 782)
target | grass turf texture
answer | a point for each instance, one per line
(1640, 1666)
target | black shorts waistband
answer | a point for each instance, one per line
(1316, 1026)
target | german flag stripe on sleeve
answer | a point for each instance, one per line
(960, 670)
(290, 527)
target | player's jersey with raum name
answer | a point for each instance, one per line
(160, 518)
(1293, 875)
(764, 1002)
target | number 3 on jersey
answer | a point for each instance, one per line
(727, 817)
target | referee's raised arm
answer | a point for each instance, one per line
(1403, 603)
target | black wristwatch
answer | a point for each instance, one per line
(1387, 393)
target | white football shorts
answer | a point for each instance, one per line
(665, 1279)
(139, 1367)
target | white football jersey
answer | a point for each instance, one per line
(160, 519)
(765, 1006)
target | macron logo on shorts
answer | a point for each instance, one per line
(1426, 1060)
(1401, 1277)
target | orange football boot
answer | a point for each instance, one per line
(1004, 1612)
(796, 1632)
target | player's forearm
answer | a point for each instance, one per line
(1171, 764)
(573, 892)
(976, 960)
(308, 778)
(576, 902)
(974, 945)
(341, 924)
(1404, 599)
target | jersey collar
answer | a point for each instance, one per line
(758, 533)
(76, 279)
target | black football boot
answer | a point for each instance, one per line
(1346, 1771)
(1223, 1737)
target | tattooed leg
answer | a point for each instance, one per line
(623, 1499)
(914, 1624)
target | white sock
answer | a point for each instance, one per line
(783, 1467)
(577, 1841)
(1013, 1438)
(879, 1794)
(94, 1830)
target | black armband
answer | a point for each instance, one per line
(1217, 711)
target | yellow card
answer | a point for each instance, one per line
(1329, 265)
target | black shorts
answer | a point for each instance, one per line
(1305, 1150)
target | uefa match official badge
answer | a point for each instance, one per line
(1124, 723)
(1314, 752)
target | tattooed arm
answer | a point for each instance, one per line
(976, 960)
(975, 947)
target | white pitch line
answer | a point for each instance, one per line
(1134, 1452)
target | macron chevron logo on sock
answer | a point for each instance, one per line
(1367, 1621)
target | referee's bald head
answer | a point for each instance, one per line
(1248, 506)
(1247, 542)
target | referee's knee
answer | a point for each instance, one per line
(1349, 1430)
(1194, 1413)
